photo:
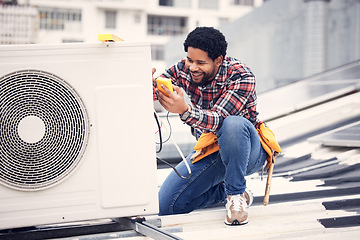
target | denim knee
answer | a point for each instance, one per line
(232, 124)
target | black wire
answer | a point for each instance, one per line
(160, 148)
(170, 130)
(176, 171)
(160, 135)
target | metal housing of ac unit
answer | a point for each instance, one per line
(76, 133)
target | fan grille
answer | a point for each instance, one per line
(44, 130)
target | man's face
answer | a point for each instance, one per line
(202, 68)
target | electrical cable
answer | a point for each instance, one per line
(170, 130)
(159, 131)
(177, 148)
(159, 127)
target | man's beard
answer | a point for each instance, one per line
(205, 80)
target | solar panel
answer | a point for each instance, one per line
(310, 91)
(347, 136)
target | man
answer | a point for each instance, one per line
(223, 102)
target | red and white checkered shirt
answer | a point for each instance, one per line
(232, 92)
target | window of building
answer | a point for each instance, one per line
(175, 3)
(110, 19)
(157, 52)
(243, 2)
(137, 18)
(209, 4)
(166, 2)
(72, 40)
(60, 19)
(166, 25)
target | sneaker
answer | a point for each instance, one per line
(249, 197)
(236, 208)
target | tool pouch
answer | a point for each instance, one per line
(269, 143)
(206, 145)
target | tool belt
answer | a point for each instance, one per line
(208, 144)
(269, 143)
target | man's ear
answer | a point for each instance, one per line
(218, 61)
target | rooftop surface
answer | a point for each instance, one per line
(315, 192)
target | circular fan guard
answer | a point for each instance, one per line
(56, 151)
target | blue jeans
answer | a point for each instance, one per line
(217, 175)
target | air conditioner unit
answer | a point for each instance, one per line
(76, 133)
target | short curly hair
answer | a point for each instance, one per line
(207, 39)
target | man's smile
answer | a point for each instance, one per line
(196, 75)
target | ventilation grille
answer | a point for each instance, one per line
(44, 130)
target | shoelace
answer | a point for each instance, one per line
(238, 201)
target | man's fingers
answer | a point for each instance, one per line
(153, 71)
(168, 92)
(161, 96)
(163, 100)
(179, 92)
(177, 89)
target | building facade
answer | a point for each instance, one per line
(154, 21)
(18, 24)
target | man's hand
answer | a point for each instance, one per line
(173, 103)
(153, 71)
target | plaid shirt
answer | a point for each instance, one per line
(232, 92)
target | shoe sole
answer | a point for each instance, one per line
(236, 222)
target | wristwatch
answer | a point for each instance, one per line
(186, 114)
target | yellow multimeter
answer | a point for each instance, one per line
(166, 82)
